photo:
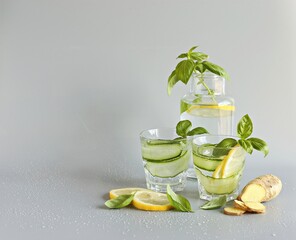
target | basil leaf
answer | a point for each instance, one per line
(200, 67)
(215, 203)
(227, 142)
(172, 80)
(223, 147)
(184, 70)
(197, 131)
(179, 202)
(198, 56)
(245, 144)
(259, 145)
(183, 55)
(216, 69)
(191, 49)
(184, 107)
(245, 127)
(120, 202)
(197, 99)
(183, 127)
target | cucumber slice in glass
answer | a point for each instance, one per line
(183, 152)
(169, 169)
(159, 151)
(219, 185)
(206, 163)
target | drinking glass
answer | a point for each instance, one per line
(218, 165)
(166, 158)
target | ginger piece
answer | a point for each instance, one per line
(233, 211)
(255, 207)
(240, 205)
(261, 189)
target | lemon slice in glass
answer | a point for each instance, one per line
(211, 110)
(151, 201)
(231, 164)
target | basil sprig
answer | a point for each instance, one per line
(244, 131)
(193, 62)
(179, 202)
(120, 201)
(183, 129)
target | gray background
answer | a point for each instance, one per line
(80, 79)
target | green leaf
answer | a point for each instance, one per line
(183, 55)
(191, 49)
(216, 69)
(227, 142)
(179, 202)
(172, 80)
(183, 128)
(120, 202)
(215, 203)
(259, 145)
(200, 67)
(197, 131)
(184, 107)
(184, 70)
(245, 127)
(246, 145)
(198, 56)
(197, 99)
(223, 147)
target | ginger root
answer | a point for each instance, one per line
(261, 189)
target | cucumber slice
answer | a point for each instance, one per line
(206, 163)
(167, 160)
(161, 151)
(169, 169)
(219, 185)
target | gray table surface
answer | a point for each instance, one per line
(53, 200)
(79, 79)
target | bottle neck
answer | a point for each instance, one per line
(203, 83)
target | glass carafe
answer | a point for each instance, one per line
(206, 105)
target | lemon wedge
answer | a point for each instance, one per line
(151, 201)
(211, 110)
(231, 164)
(124, 191)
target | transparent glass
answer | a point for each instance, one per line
(206, 105)
(166, 158)
(218, 169)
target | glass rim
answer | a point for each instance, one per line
(217, 135)
(175, 136)
(208, 75)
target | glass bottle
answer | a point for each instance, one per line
(206, 105)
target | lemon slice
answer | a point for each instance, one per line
(231, 164)
(218, 171)
(151, 201)
(123, 191)
(211, 110)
